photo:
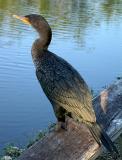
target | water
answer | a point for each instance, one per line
(88, 34)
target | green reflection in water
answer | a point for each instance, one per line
(76, 15)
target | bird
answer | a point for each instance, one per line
(62, 84)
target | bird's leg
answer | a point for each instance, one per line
(60, 125)
(63, 124)
(61, 115)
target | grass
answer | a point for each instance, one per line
(41, 134)
(11, 152)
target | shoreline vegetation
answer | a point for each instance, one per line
(11, 152)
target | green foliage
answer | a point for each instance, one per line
(30, 143)
(41, 134)
(12, 151)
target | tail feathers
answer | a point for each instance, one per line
(101, 137)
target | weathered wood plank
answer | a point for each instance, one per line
(77, 142)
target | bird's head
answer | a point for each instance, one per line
(41, 25)
(35, 20)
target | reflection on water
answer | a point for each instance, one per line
(86, 33)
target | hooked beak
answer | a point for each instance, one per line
(23, 19)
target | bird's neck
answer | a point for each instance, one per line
(41, 44)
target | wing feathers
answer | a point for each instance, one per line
(63, 85)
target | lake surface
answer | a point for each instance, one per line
(87, 33)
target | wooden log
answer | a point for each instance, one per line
(77, 143)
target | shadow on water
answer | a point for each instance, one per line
(86, 33)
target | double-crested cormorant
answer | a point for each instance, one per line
(62, 84)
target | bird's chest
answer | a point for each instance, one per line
(47, 76)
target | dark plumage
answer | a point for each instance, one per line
(62, 84)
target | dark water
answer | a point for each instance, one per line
(86, 33)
